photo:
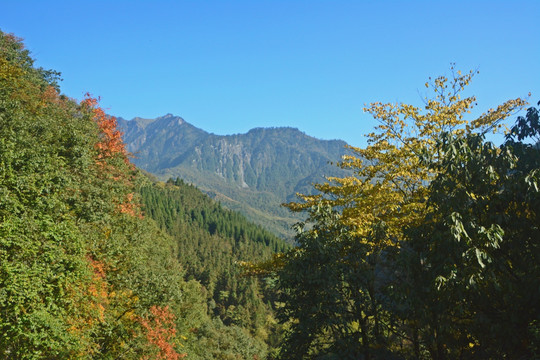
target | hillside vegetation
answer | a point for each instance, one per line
(212, 241)
(99, 262)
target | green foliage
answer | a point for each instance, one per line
(445, 268)
(471, 275)
(83, 274)
(329, 290)
(217, 341)
(212, 241)
(42, 248)
(526, 127)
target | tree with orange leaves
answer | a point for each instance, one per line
(111, 143)
(160, 332)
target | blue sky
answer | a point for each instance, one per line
(229, 66)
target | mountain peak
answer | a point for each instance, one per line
(170, 117)
(166, 116)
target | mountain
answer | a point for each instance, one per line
(253, 173)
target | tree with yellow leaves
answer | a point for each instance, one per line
(389, 181)
(347, 289)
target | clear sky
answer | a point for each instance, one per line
(229, 66)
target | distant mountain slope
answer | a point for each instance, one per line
(253, 172)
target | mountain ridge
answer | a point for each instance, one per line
(259, 169)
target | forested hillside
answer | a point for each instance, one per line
(253, 173)
(212, 242)
(85, 270)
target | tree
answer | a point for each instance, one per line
(383, 210)
(389, 181)
(474, 257)
(330, 296)
(44, 270)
